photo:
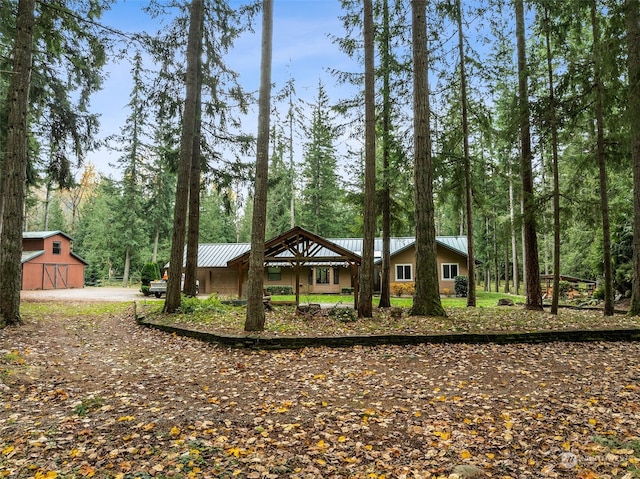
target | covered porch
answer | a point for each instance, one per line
(298, 248)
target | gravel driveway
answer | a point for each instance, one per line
(88, 293)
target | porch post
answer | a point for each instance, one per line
(297, 282)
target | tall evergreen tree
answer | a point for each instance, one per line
(68, 61)
(320, 194)
(255, 308)
(602, 161)
(426, 300)
(173, 299)
(365, 296)
(632, 16)
(280, 192)
(130, 224)
(14, 167)
(530, 240)
(468, 187)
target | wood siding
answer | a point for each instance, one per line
(224, 281)
(49, 270)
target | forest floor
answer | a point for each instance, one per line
(85, 392)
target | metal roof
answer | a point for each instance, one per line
(43, 234)
(216, 255)
(29, 255)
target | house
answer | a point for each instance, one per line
(314, 265)
(48, 261)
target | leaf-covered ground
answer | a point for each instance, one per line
(210, 315)
(89, 393)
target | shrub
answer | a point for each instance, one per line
(400, 289)
(145, 290)
(461, 285)
(563, 288)
(397, 289)
(344, 315)
(346, 290)
(279, 290)
(190, 304)
(599, 293)
(150, 272)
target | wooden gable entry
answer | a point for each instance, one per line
(299, 248)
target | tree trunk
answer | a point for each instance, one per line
(255, 308)
(514, 237)
(193, 231)
(14, 166)
(156, 241)
(173, 300)
(365, 297)
(556, 180)
(385, 280)
(633, 43)
(602, 165)
(471, 261)
(426, 301)
(127, 266)
(506, 268)
(496, 260)
(532, 276)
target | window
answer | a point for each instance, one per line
(57, 247)
(336, 275)
(274, 274)
(449, 270)
(322, 275)
(403, 272)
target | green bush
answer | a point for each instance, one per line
(279, 290)
(563, 288)
(150, 272)
(344, 315)
(346, 290)
(599, 293)
(190, 304)
(145, 290)
(461, 285)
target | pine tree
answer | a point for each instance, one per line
(320, 195)
(633, 46)
(426, 300)
(255, 308)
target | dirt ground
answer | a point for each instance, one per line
(88, 293)
(97, 395)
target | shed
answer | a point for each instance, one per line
(48, 261)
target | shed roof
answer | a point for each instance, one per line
(29, 255)
(43, 234)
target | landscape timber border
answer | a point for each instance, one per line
(258, 341)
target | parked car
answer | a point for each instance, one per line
(158, 288)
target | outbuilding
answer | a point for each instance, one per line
(48, 261)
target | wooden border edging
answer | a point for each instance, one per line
(255, 341)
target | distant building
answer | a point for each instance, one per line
(324, 266)
(48, 261)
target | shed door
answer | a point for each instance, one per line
(56, 276)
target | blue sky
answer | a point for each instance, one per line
(301, 49)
